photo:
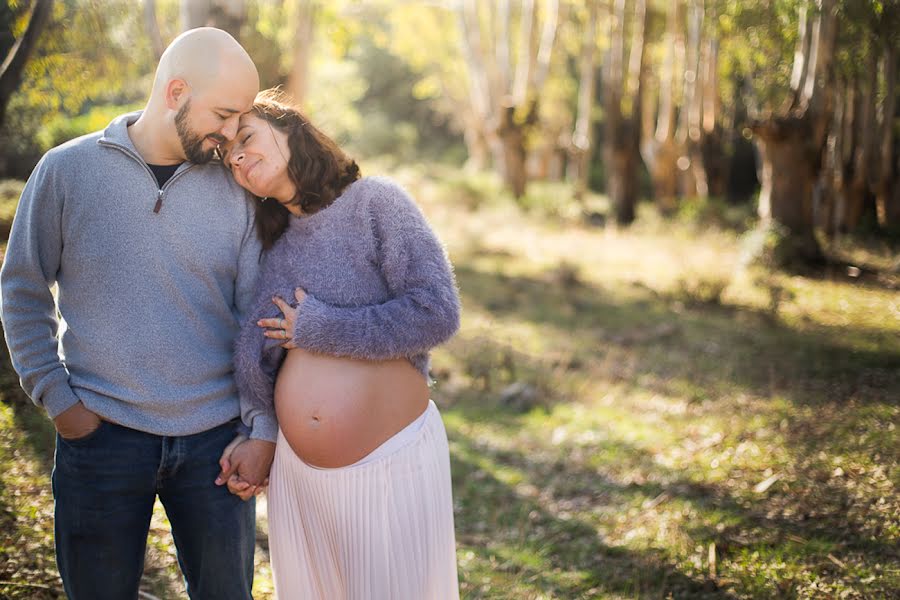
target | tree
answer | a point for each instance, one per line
(791, 140)
(581, 143)
(505, 77)
(224, 14)
(152, 27)
(659, 146)
(622, 100)
(13, 66)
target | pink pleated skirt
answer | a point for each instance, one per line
(378, 529)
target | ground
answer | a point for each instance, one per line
(632, 413)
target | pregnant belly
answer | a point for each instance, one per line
(334, 411)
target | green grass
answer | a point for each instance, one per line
(631, 413)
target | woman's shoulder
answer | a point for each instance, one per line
(382, 193)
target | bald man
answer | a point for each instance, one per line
(152, 251)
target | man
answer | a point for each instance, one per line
(154, 257)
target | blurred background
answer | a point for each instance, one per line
(676, 231)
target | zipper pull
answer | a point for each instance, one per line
(158, 206)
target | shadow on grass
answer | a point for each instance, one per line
(546, 529)
(545, 551)
(709, 348)
(30, 420)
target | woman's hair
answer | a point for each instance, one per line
(317, 166)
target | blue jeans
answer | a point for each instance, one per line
(105, 485)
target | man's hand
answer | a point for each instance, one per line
(246, 462)
(76, 422)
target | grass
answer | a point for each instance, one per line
(632, 413)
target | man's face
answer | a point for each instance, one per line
(207, 120)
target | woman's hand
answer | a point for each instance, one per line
(283, 328)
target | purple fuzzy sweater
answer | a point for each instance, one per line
(378, 284)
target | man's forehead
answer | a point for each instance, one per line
(229, 99)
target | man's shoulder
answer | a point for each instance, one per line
(79, 147)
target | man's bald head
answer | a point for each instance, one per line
(202, 57)
(204, 82)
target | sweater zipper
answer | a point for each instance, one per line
(161, 190)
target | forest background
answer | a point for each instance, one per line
(675, 226)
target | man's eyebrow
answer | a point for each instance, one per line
(230, 111)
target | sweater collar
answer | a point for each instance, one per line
(117, 131)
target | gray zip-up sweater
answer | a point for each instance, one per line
(151, 301)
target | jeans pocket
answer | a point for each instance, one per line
(86, 439)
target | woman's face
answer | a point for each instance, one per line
(258, 158)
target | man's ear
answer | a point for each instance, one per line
(177, 91)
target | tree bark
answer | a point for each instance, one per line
(858, 190)
(151, 26)
(506, 104)
(716, 160)
(582, 144)
(621, 144)
(228, 15)
(791, 144)
(660, 151)
(888, 213)
(693, 172)
(17, 57)
(298, 79)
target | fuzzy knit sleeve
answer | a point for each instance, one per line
(423, 308)
(256, 362)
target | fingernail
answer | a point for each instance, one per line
(219, 481)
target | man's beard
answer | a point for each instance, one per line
(191, 143)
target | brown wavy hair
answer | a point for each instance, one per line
(318, 168)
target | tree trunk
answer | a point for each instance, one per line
(858, 195)
(621, 152)
(298, 79)
(887, 213)
(831, 181)
(787, 178)
(505, 98)
(14, 63)
(690, 163)
(660, 151)
(791, 144)
(581, 146)
(512, 136)
(151, 26)
(228, 15)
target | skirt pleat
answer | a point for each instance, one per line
(377, 530)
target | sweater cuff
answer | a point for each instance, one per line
(265, 427)
(308, 322)
(58, 398)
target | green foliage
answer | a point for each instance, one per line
(62, 128)
(10, 191)
(716, 212)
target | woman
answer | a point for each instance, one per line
(360, 501)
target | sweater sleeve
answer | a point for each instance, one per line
(30, 268)
(423, 310)
(253, 382)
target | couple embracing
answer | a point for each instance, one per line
(239, 309)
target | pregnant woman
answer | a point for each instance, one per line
(355, 291)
